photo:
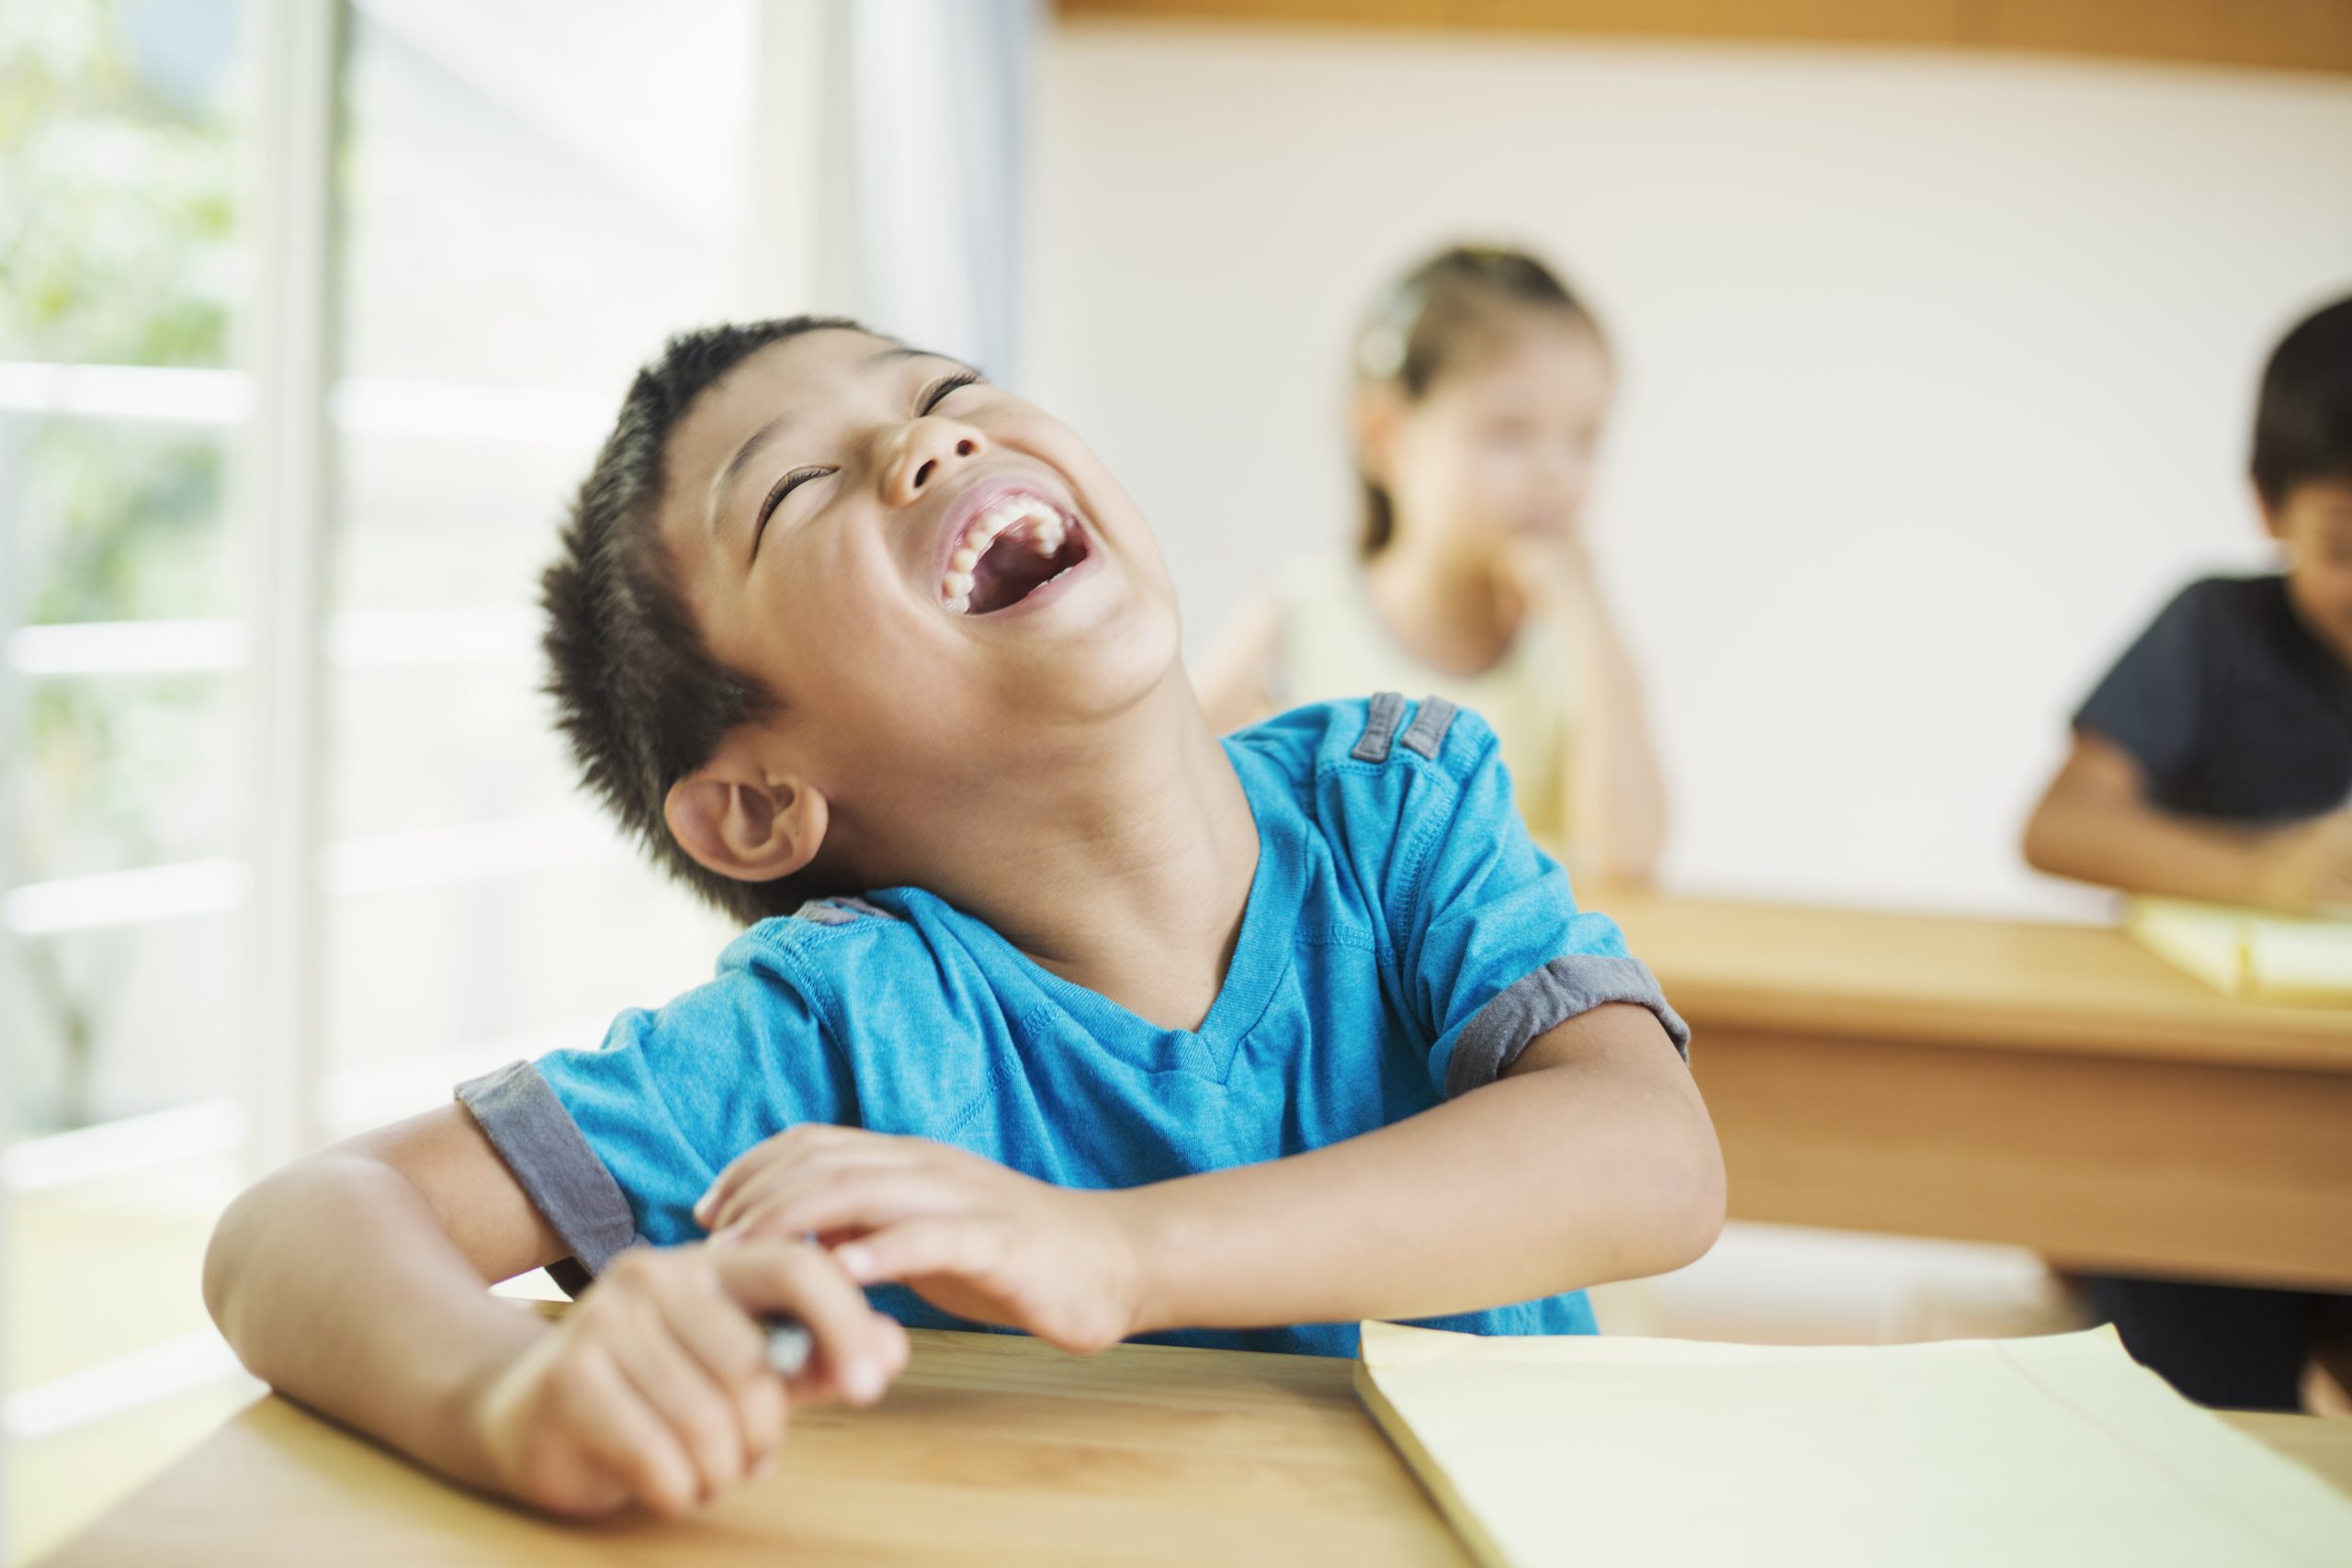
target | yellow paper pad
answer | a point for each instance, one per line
(2020, 1453)
(2246, 952)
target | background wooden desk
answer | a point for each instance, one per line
(2051, 1087)
(991, 1449)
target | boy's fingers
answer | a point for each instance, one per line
(733, 1351)
(863, 1201)
(713, 1328)
(954, 1244)
(761, 1189)
(699, 1412)
(761, 1403)
(739, 1170)
(809, 1140)
(796, 1277)
(602, 1410)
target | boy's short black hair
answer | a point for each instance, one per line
(636, 691)
(2302, 425)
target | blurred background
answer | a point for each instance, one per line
(1939, 324)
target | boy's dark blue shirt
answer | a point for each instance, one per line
(1403, 941)
(2232, 706)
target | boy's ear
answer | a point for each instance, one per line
(1373, 419)
(744, 821)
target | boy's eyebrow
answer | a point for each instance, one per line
(728, 475)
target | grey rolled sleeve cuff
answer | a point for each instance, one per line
(562, 1175)
(1546, 998)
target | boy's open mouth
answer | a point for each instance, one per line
(1007, 553)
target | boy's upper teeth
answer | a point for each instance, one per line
(1046, 538)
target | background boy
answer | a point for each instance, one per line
(2215, 761)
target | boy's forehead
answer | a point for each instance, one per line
(775, 382)
(772, 387)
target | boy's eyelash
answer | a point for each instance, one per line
(795, 480)
(941, 388)
(784, 487)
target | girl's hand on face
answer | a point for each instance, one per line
(1547, 571)
(655, 1388)
(969, 1235)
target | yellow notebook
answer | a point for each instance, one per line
(2246, 952)
(1591, 1450)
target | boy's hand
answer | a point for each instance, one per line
(969, 1235)
(2308, 868)
(655, 1388)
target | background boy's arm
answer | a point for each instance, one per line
(355, 1281)
(1590, 1159)
(2095, 824)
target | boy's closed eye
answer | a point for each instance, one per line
(925, 405)
(775, 498)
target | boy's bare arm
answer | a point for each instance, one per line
(1591, 1159)
(2095, 824)
(354, 1281)
(339, 1281)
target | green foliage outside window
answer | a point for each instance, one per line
(118, 167)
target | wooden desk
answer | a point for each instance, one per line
(2052, 1086)
(991, 1449)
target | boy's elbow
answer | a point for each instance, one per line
(229, 1257)
(238, 1259)
(1679, 1205)
(1698, 1199)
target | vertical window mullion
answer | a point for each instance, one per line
(287, 343)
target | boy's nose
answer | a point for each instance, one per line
(929, 449)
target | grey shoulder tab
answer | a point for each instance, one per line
(840, 911)
(1379, 727)
(1427, 732)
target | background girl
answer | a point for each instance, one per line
(1481, 384)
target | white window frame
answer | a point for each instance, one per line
(285, 408)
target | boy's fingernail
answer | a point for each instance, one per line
(854, 1261)
(730, 1237)
(863, 1382)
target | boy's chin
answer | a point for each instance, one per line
(1096, 670)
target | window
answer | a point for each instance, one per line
(523, 200)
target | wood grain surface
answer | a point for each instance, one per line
(991, 1449)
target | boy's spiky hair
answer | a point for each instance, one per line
(2302, 425)
(636, 691)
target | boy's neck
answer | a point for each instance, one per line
(1120, 857)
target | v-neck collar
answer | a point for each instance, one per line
(1261, 957)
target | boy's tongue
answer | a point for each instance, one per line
(1011, 568)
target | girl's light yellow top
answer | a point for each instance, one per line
(1333, 645)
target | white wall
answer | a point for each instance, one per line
(1939, 371)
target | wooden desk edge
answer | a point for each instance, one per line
(2176, 1016)
(2323, 1447)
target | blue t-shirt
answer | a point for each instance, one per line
(1403, 941)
